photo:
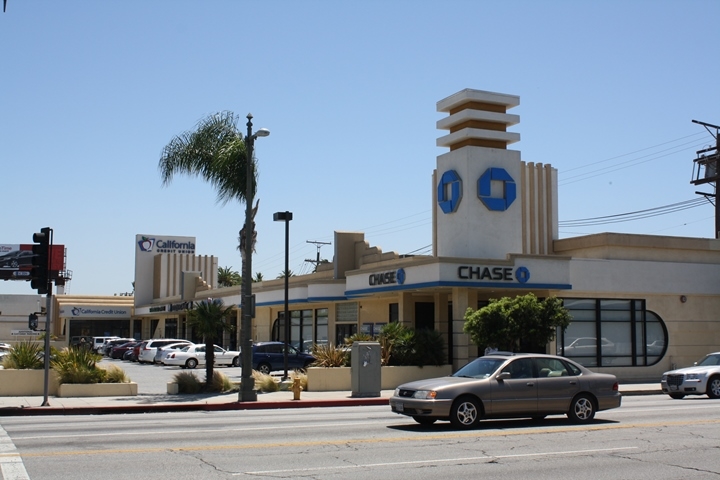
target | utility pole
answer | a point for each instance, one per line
(707, 170)
(318, 246)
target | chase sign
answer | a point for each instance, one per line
(449, 191)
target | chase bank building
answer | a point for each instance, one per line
(640, 304)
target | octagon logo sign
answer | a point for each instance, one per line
(449, 190)
(484, 186)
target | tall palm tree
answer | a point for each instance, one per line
(214, 151)
(258, 277)
(207, 319)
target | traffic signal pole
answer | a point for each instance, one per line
(42, 282)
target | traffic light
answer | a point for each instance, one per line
(32, 321)
(40, 261)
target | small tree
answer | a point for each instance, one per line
(207, 319)
(227, 277)
(517, 324)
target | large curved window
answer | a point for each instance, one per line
(612, 332)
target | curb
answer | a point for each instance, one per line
(189, 407)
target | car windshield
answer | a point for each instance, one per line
(481, 367)
(185, 349)
(710, 360)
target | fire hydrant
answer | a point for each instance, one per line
(296, 388)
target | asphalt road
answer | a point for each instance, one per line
(648, 438)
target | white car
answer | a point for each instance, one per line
(702, 379)
(194, 355)
(162, 352)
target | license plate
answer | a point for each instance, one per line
(399, 407)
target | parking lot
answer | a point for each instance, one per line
(153, 379)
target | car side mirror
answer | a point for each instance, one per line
(503, 376)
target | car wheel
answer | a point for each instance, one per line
(465, 412)
(191, 363)
(713, 388)
(582, 409)
(425, 420)
(236, 362)
(264, 368)
(677, 396)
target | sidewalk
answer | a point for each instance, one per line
(146, 403)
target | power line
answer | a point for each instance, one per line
(637, 215)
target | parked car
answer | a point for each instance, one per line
(163, 351)
(130, 355)
(506, 386)
(96, 343)
(147, 352)
(133, 357)
(270, 356)
(119, 351)
(194, 355)
(107, 347)
(701, 379)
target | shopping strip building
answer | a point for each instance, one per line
(653, 301)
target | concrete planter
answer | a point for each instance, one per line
(97, 389)
(321, 379)
(26, 383)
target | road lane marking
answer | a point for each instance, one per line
(438, 460)
(11, 464)
(346, 441)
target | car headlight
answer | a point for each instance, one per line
(694, 376)
(425, 394)
(664, 377)
(397, 392)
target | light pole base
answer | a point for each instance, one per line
(247, 390)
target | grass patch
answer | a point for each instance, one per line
(220, 383)
(187, 382)
(265, 383)
(115, 374)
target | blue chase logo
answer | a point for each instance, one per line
(449, 181)
(484, 186)
(449, 190)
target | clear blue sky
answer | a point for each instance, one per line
(92, 91)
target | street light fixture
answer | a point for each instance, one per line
(247, 389)
(286, 217)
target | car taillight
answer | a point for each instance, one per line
(616, 387)
(172, 355)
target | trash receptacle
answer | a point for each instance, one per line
(365, 369)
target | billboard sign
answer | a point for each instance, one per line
(16, 261)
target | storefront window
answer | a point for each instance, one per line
(628, 334)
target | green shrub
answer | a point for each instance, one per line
(328, 355)
(220, 383)
(187, 382)
(25, 355)
(78, 365)
(404, 346)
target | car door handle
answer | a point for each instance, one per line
(572, 382)
(530, 384)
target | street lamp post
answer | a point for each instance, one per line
(247, 389)
(286, 217)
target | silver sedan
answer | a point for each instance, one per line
(506, 386)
